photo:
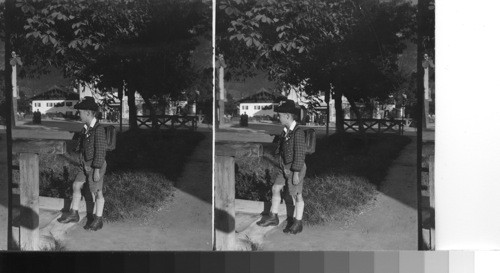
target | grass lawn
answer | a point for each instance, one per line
(342, 175)
(141, 171)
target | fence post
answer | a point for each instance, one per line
(224, 198)
(29, 197)
(225, 214)
(28, 150)
(432, 201)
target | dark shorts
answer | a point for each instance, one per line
(88, 177)
(285, 177)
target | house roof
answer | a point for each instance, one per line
(56, 93)
(263, 96)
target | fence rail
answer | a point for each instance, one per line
(376, 125)
(170, 121)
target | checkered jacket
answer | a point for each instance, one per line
(92, 145)
(292, 148)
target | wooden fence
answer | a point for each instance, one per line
(376, 125)
(170, 121)
(29, 150)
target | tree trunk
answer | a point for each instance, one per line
(152, 111)
(132, 115)
(360, 121)
(339, 113)
(356, 111)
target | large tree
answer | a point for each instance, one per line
(346, 47)
(146, 45)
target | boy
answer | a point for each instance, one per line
(292, 153)
(92, 149)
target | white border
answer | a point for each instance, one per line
(467, 128)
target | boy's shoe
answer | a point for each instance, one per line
(97, 224)
(289, 223)
(270, 219)
(296, 227)
(70, 217)
(90, 219)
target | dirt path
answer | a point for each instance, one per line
(390, 223)
(185, 223)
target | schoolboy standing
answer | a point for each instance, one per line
(292, 152)
(92, 149)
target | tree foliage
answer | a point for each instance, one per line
(71, 34)
(145, 45)
(350, 47)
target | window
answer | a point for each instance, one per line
(69, 103)
(37, 104)
(50, 104)
(255, 107)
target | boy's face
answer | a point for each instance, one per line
(285, 118)
(86, 116)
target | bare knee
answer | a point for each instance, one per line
(99, 195)
(277, 189)
(77, 187)
(299, 197)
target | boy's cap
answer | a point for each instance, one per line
(88, 103)
(287, 106)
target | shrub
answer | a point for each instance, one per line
(335, 197)
(134, 194)
(57, 173)
(254, 177)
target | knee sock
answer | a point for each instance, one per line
(99, 204)
(299, 210)
(75, 202)
(276, 200)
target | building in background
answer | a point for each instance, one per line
(55, 100)
(260, 104)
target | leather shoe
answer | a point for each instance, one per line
(296, 227)
(97, 224)
(90, 219)
(269, 220)
(289, 223)
(70, 217)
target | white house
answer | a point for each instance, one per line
(55, 100)
(260, 104)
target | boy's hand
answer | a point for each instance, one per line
(96, 175)
(295, 178)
